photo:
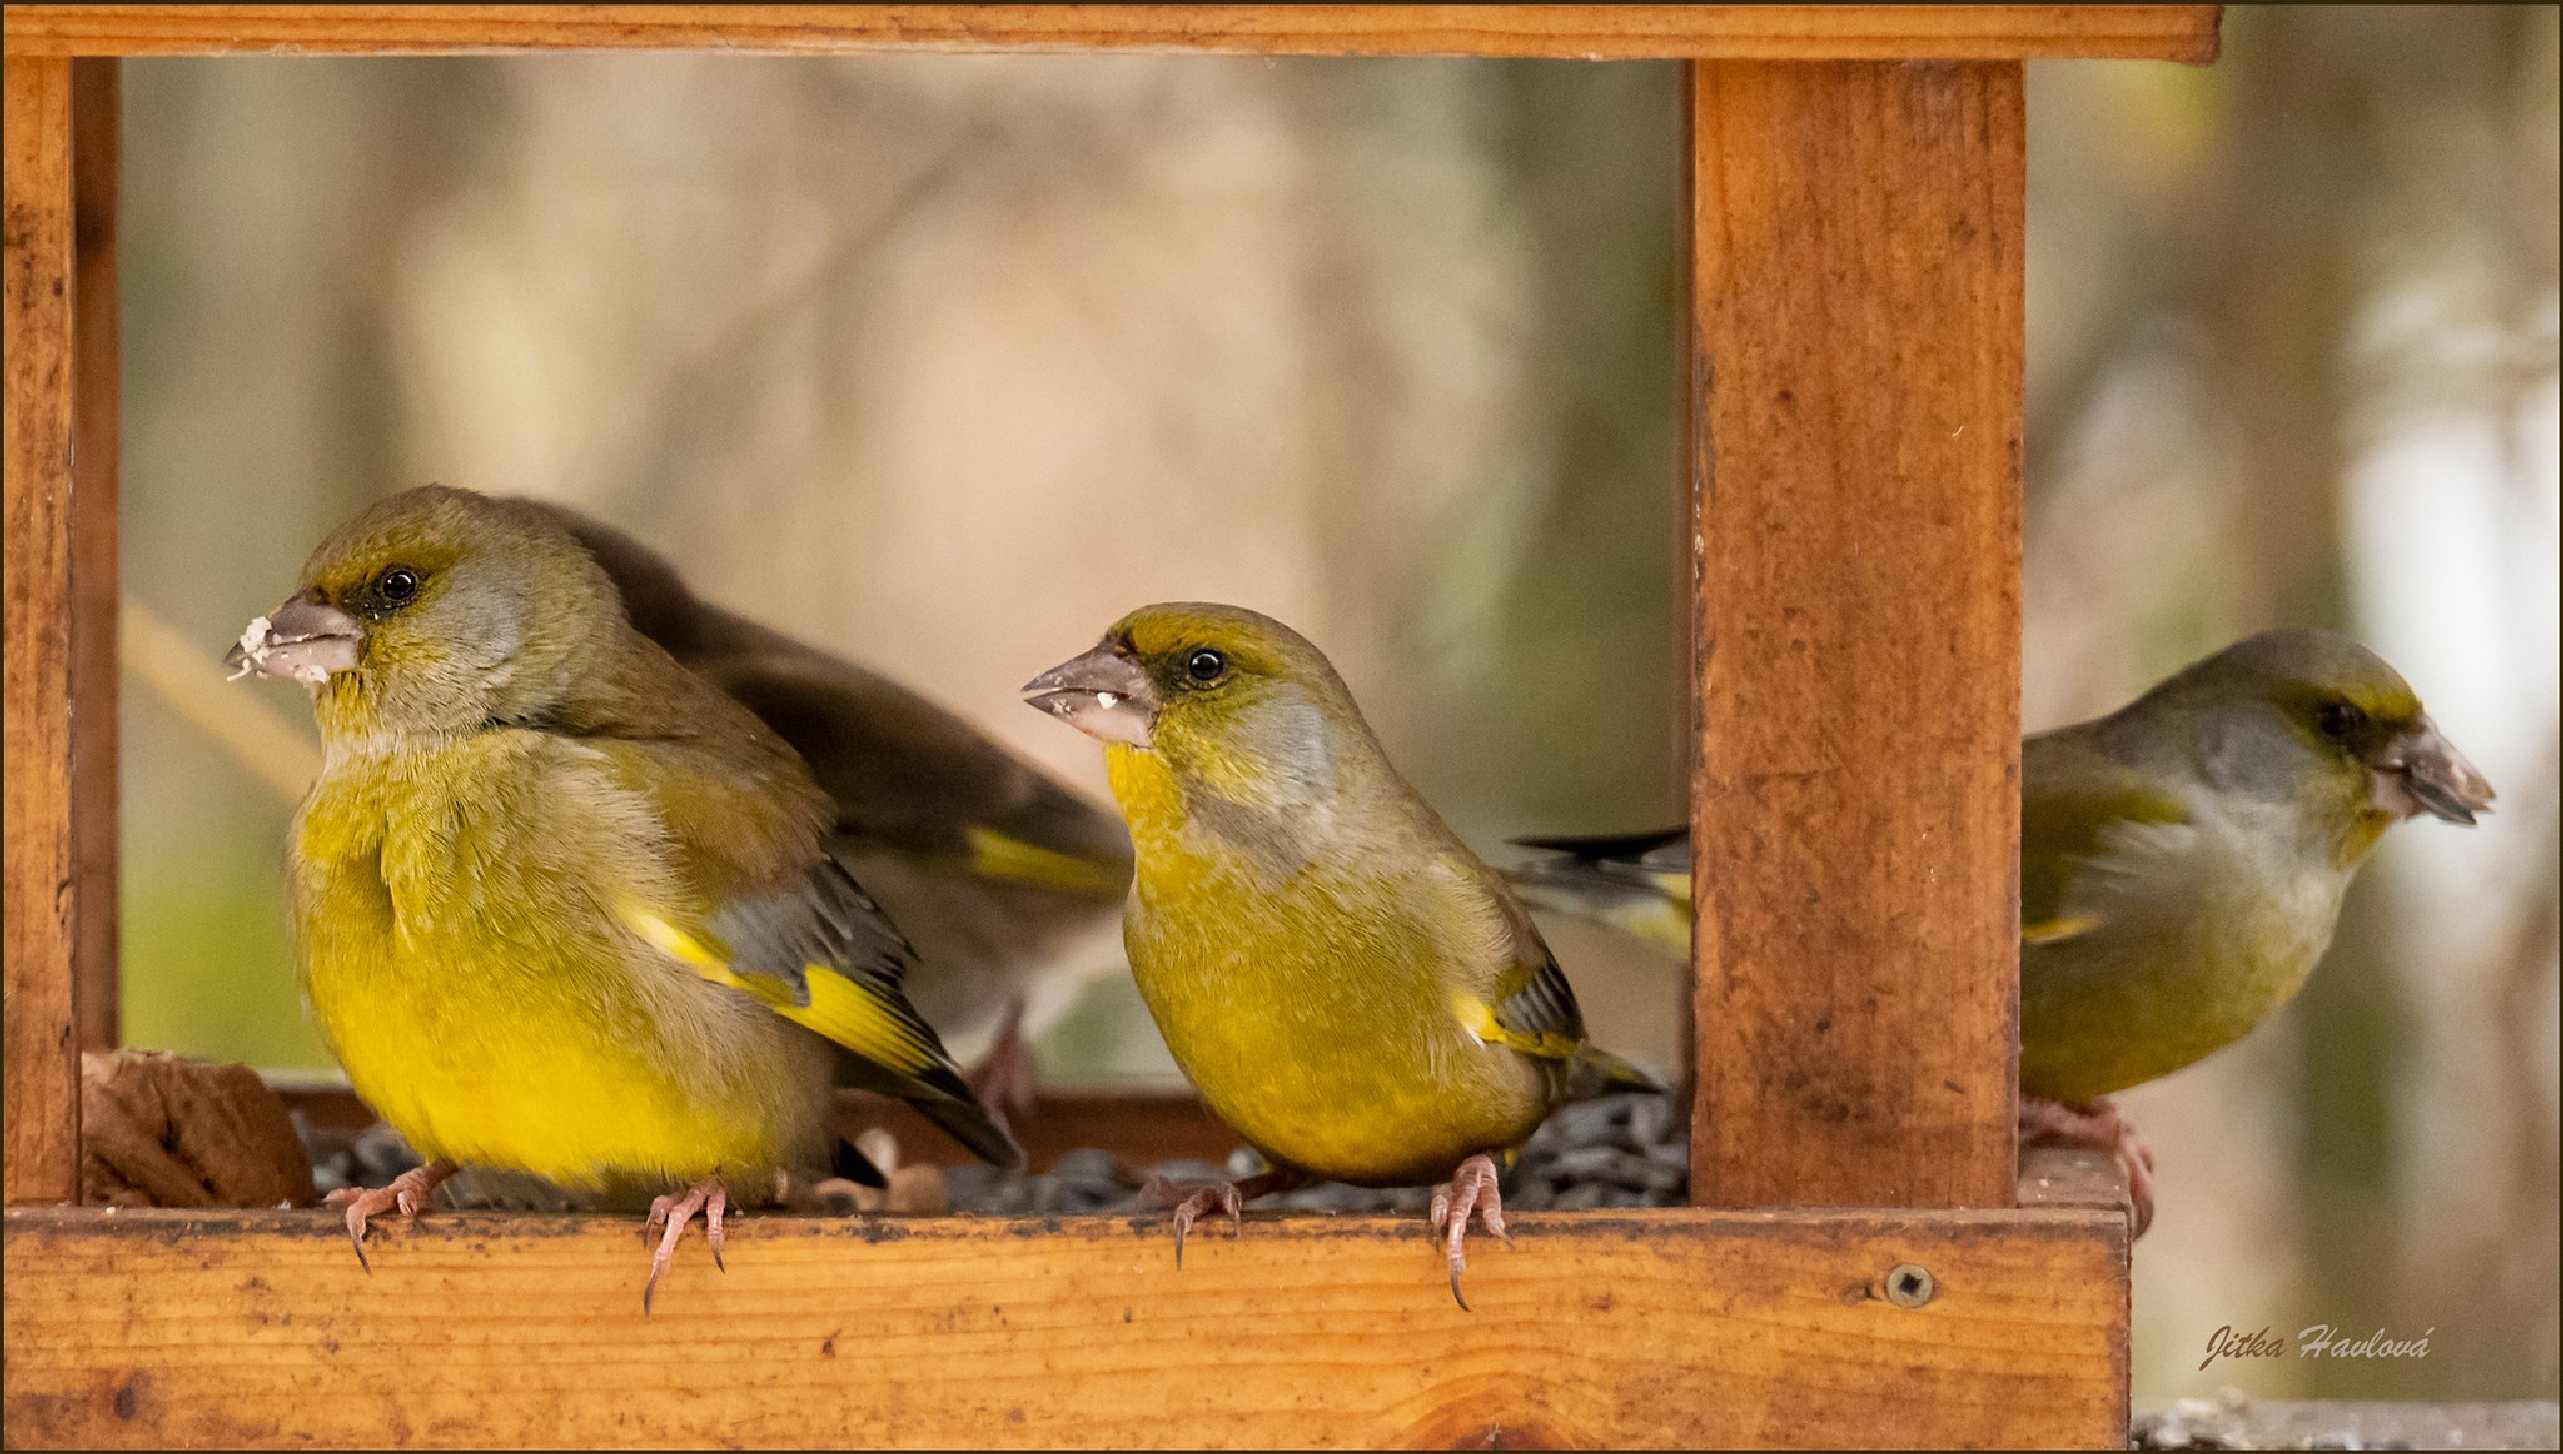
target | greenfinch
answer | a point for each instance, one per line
(2182, 863)
(562, 907)
(1008, 883)
(1351, 990)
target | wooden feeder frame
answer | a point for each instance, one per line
(1866, 1261)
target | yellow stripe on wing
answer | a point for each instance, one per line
(854, 1017)
(1478, 1018)
(840, 1008)
(996, 855)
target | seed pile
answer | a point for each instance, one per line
(1627, 1151)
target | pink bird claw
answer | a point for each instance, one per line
(668, 1217)
(1228, 1196)
(1472, 1192)
(2095, 1125)
(404, 1195)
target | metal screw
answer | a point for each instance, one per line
(1909, 1285)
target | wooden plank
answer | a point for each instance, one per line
(1856, 238)
(95, 111)
(43, 893)
(2055, 1176)
(1588, 32)
(1681, 1328)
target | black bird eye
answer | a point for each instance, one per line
(2338, 720)
(398, 585)
(1205, 666)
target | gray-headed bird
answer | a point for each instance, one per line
(2182, 862)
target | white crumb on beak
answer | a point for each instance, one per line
(1107, 700)
(313, 673)
(253, 646)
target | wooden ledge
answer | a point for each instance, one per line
(1687, 1327)
(1588, 32)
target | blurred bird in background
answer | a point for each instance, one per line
(2182, 863)
(1351, 989)
(1008, 884)
(564, 908)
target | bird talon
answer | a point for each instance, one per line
(1229, 1196)
(1472, 1191)
(1191, 1208)
(673, 1211)
(404, 1194)
(2095, 1125)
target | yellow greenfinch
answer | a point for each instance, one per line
(1350, 989)
(1008, 883)
(2182, 862)
(563, 908)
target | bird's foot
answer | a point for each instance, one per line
(1228, 1196)
(1472, 1191)
(672, 1212)
(2095, 1125)
(407, 1194)
(1006, 1078)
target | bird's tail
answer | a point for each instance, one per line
(971, 1124)
(939, 1094)
(1636, 883)
(1597, 1072)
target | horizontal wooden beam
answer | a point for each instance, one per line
(1660, 1329)
(1584, 32)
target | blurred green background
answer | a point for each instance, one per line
(946, 361)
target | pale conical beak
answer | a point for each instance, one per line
(305, 639)
(1103, 694)
(2422, 772)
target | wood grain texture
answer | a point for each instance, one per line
(1856, 236)
(1591, 32)
(95, 112)
(43, 894)
(1682, 1328)
(2056, 1176)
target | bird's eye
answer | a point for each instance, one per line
(1205, 666)
(398, 585)
(2338, 720)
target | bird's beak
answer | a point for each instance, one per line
(1103, 694)
(306, 639)
(2421, 772)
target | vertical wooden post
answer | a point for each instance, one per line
(1855, 430)
(44, 889)
(96, 112)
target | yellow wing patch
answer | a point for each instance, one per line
(839, 1008)
(1478, 1018)
(996, 855)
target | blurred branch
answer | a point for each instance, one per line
(701, 377)
(188, 680)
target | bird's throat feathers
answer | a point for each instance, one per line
(1267, 798)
